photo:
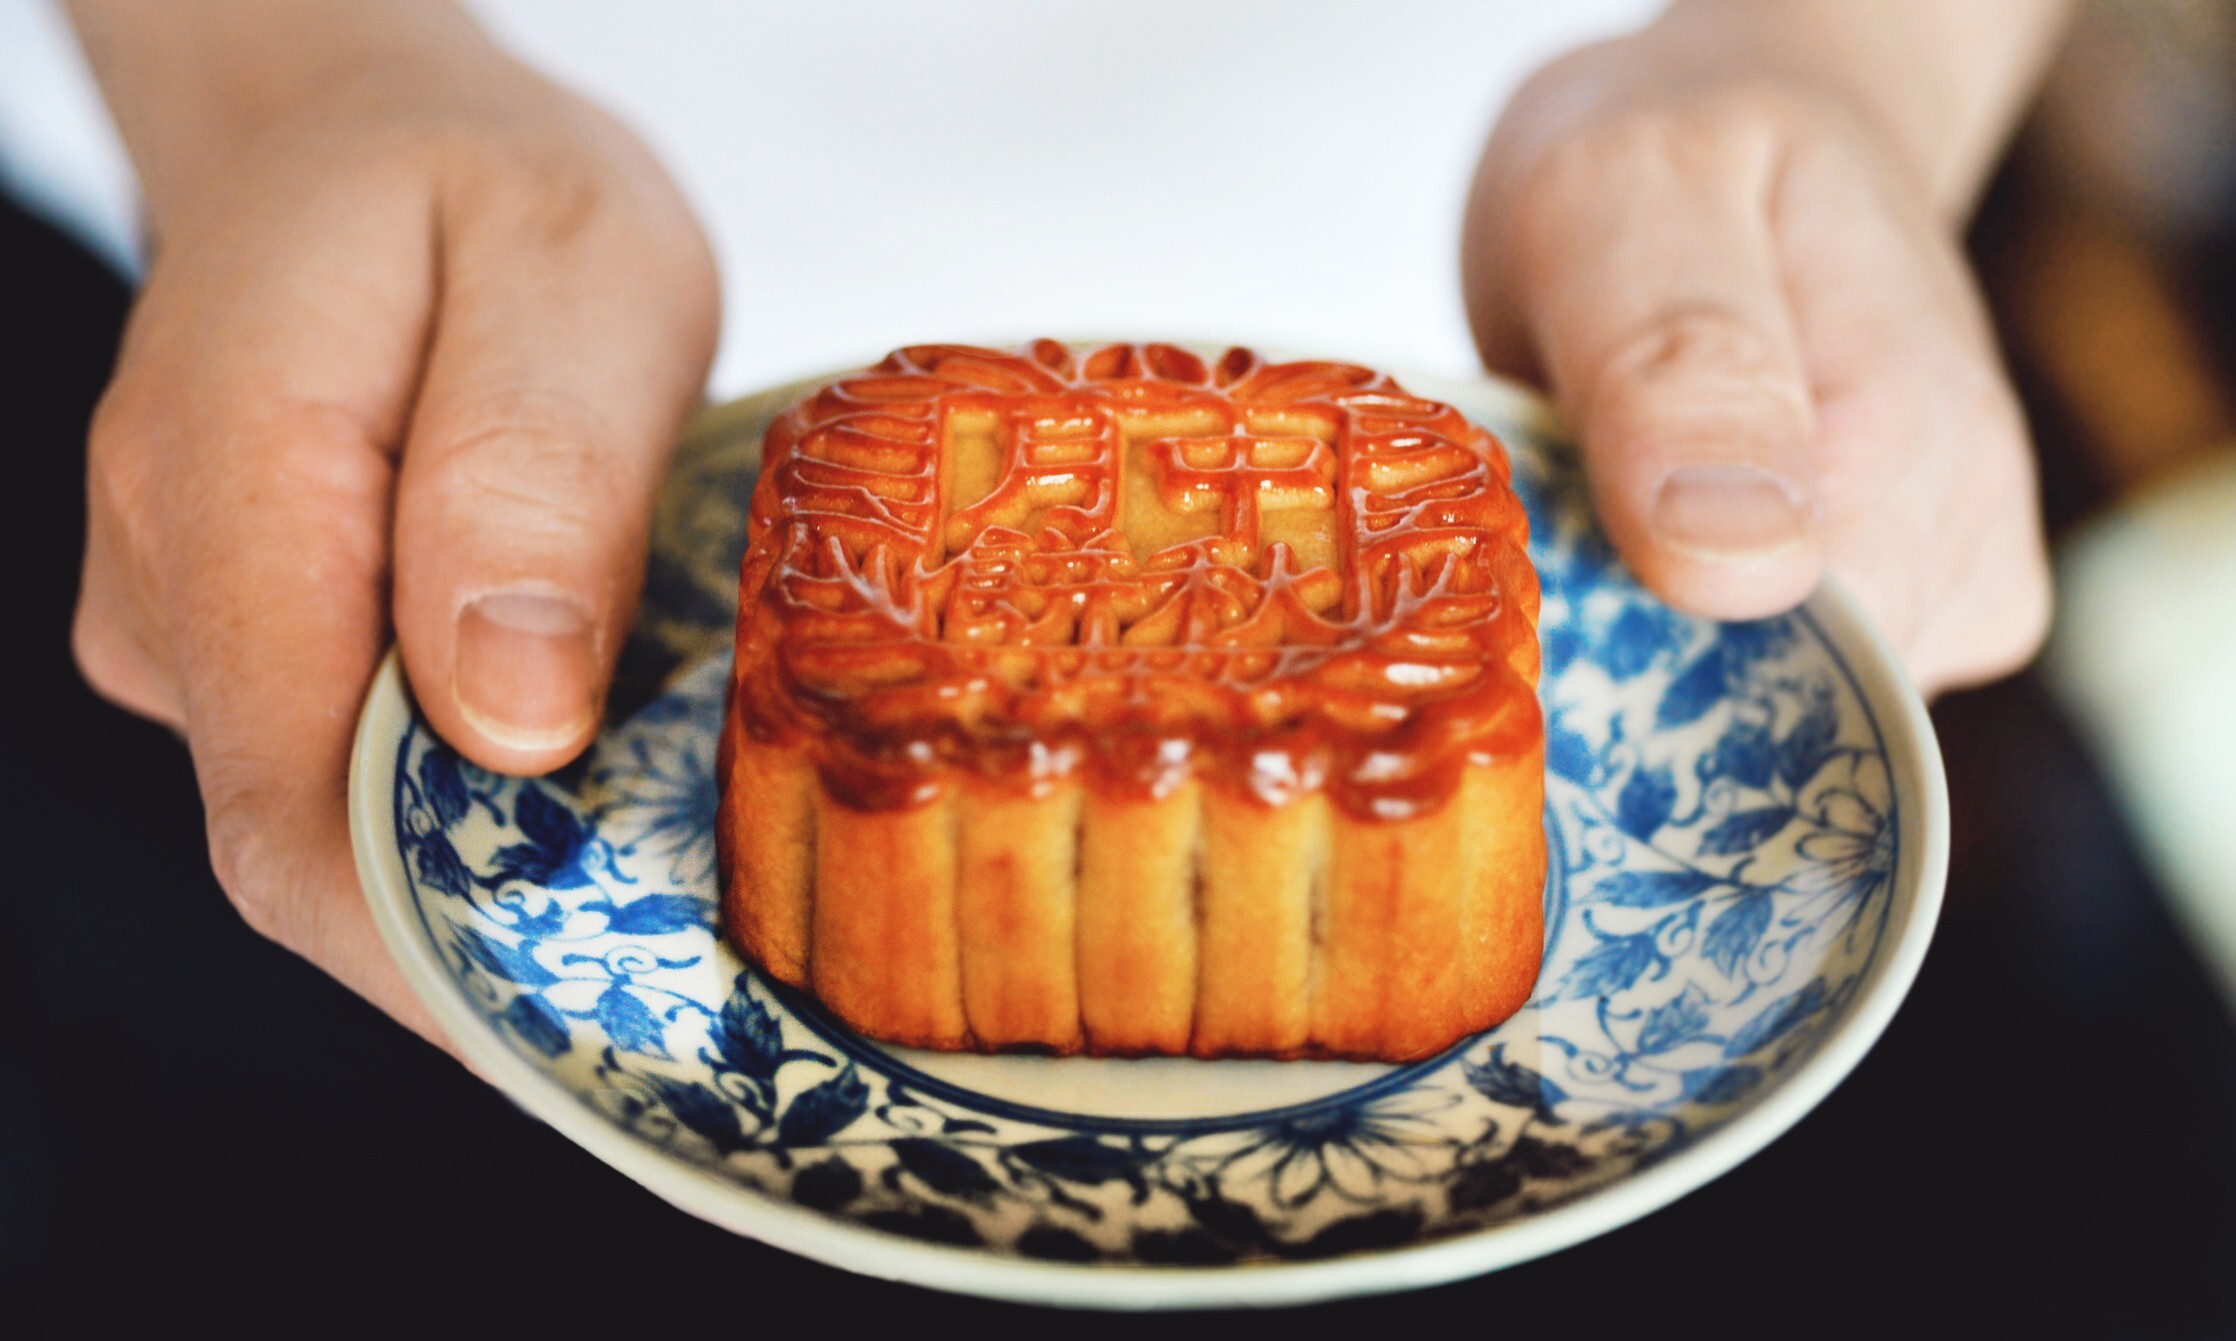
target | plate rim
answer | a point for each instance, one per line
(1913, 755)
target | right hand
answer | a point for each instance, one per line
(412, 351)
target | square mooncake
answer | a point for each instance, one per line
(1126, 702)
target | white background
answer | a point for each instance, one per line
(878, 172)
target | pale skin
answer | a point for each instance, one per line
(420, 326)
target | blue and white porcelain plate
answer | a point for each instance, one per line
(1748, 831)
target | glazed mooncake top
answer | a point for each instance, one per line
(1132, 563)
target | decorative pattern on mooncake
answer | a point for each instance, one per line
(1126, 702)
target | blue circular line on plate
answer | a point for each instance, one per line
(866, 1053)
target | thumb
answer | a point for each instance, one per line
(1648, 280)
(563, 364)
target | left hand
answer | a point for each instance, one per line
(1765, 335)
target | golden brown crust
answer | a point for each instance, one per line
(1262, 872)
(1128, 704)
(883, 950)
(1016, 912)
(766, 835)
(1137, 934)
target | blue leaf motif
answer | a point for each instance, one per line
(439, 865)
(1512, 1084)
(1083, 1159)
(747, 1036)
(934, 1224)
(1735, 932)
(1180, 1247)
(825, 1111)
(654, 914)
(503, 960)
(548, 824)
(1591, 557)
(1653, 889)
(1808, 742)
(1675, 1022)
(827, 1186)
(1632, 643)
(1777, 1018)
(1227, 1220)
(1697, 688)
(1485, 1184)
(1561, 644)
(1536, 506)
(550, 857)
(538, 1025)
(1744, 754)
(703, 1111)
(550, 922)
(1057, 1244)
(1611, 966)
(628, 1022)
(1545, 1159)
(529, 864)
(1363, 1233)
(1745, 829)
(944, 1169)
(1758, 640)
(1645, 802)
(1720, 1084)
(444, 786)
(1568, 754)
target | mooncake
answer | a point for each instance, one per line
(1127, 701)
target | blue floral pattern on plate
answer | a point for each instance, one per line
(1728, 858)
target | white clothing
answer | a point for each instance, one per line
(877, 172)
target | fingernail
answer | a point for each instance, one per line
(527, 670)
(1729, 514)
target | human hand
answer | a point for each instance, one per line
(1751, 308)
(415, 341)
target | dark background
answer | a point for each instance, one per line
(198, 1129)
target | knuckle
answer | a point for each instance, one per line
(2036, 611)
(1709, 134)
(2027, 606)
(1723, 140)
(1698, 356)
(1690, 339)
(1752, 110)
(251, 868)
(551, 188)
(2009, 641)
(104, 657)
(120, 463)
(590, 190)
(2011, 606)
(321, 463)
(527, 461)
(560, 198)
(112, 632)
(1568, 176)
(322, 454)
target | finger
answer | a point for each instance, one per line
(265, 379)
(114, 636)
(574, 335)
(1932, 521)
(1643, 269)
